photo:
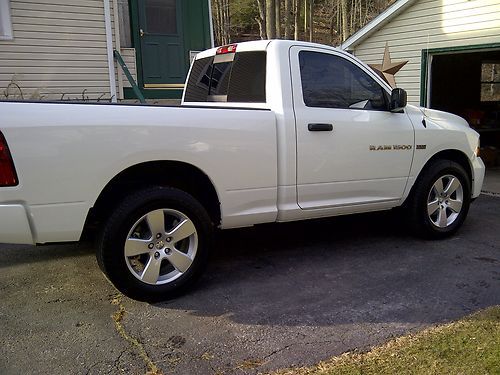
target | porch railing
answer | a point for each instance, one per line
(130, 79)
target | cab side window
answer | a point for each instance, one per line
(330, 81)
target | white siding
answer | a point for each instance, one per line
(58, 50)
(429, 24)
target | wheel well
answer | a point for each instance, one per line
(179, 175)
(453, 155)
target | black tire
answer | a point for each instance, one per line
(423, 223)
(124, 272)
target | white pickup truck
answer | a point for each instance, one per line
(268, 131)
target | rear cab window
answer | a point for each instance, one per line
(238, 77)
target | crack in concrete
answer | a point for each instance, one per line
(117, 360)
(134, 342)
(91, 367)
(279, 350)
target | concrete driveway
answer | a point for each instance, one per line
(273, 296)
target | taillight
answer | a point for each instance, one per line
(8, 175)
(231, 48)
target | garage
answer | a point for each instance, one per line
(449, 51)
(475, 96)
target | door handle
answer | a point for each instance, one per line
(141, 31)
(320, 127)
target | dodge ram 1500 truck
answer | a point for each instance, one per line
(268, 131)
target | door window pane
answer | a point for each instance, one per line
(330, 81)
(161, 16)
(124, 23)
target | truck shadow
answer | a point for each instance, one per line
(12, 255)
(363, 268)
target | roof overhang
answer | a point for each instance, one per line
(376, 23)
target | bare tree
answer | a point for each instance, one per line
(227, 22)
(305, 18)
(215, 20)
(261, 20)
(311, 17)
(288, 16)
(343, 18)
(277, 4)
(271, 19)
(222, 21)
(332, 27)
(298, 6)
(330, 21)
(220, 9)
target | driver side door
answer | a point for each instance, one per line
(351, 150)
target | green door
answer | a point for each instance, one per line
(162, 50)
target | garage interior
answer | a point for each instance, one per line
(468, 84)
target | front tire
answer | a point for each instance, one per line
(156, 243)
(440, 200)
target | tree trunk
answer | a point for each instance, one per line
(339, 22)
(271, 19)
(227, 22)
(288, 16)
(215, 20)
(262, 18)
(305, 19)
(220, 21)
(311, 17)
(298, 6)
(360, 6)
(366, 14)
(278, 18)
(332, 26)
(351, 15)
(343, 9)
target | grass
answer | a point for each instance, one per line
(468, 346)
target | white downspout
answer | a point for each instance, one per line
(109, 47)
(211, 23)
(118, 46)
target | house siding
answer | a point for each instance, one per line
(128, 55)
(428, 25)
(58, 50)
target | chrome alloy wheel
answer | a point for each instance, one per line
(445, 201)
(161, 246)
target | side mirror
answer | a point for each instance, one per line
(398, 100)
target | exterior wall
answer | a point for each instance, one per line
(58, 50)
(429, 24)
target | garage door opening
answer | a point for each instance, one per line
(468, 84)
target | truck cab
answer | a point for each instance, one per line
(346, 140)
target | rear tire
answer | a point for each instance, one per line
(155, 244)
(440, 200)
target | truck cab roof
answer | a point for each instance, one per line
(263, 45)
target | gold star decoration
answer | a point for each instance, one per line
(388, 69)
